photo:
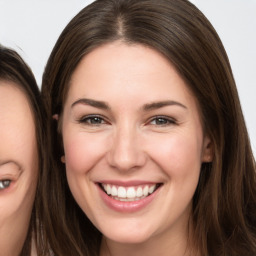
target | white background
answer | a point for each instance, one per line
(32, 27)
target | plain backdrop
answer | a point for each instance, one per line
(32, 27)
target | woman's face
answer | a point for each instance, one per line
(18, 167)
(133, 143)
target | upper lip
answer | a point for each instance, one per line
(128, 183)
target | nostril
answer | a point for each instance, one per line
(126, 161)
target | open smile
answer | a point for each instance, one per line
(129, 193)
(128, 198)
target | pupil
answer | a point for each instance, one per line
(161, 121)
(6, 183)
(96, 120)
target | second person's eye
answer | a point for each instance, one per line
(4, 184)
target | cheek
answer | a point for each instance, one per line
(8, 207)
(82, 151)
(13, 205)
(16, 203)
(14, 219)
(179, 155)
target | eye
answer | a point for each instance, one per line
(92, 120)
(4, 184)
(162, 121)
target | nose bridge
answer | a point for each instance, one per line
(126, 151)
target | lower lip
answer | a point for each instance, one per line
(124, 206)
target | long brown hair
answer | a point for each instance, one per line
(224, 205)
(14, 69)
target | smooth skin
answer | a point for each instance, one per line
(129, 117)
(18, 168)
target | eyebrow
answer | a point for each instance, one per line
(161, 104)
(93, 103)
(146, 107)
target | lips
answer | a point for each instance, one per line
(128, 197)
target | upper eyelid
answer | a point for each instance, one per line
(9, 176)
(8, 172)
(9, 162)
(84, 117)
(90, 115)
(163, 117)
(15, 165)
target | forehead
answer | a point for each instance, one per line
(127, 69)
(15, 109)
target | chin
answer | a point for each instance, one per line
(128, 237)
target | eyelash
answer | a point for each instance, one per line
(4, 184)
(90, 119)
(96, 120)
(163, 121)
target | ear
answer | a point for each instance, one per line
(55, 116)
(63, 160)
(208, 150)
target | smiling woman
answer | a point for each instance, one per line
(21, 131)
(127, 175)
(149, 147)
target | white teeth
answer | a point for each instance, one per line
(121, 192)
(114, 191)
(131, 193)
(151, 189)
(109, 190)
(139, 192)
(128, 193)
(145, 191)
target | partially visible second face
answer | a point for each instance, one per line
(18, 167)
(133, 143)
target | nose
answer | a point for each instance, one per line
(126, 151)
